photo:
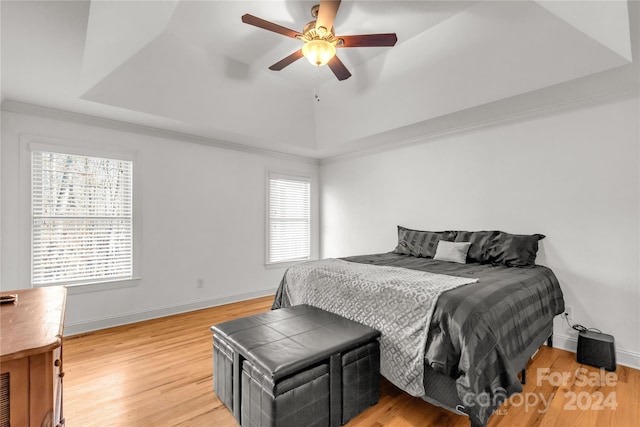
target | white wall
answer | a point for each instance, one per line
(572, 176)
(202, 217)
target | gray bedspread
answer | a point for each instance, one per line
(477, 329)
(396, 301)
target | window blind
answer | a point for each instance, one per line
(82, 219)
(289, 219)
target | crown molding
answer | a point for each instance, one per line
(384, 143)
(18, 107)
(625, 92)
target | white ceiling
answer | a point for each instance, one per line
(195, 68)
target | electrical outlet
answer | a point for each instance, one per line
(568, 311)
(200, 283)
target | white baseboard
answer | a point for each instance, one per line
(139, 316)
(623, 357)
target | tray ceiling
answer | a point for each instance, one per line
(195, 68)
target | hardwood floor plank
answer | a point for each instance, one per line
(159, 373)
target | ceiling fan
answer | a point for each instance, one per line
(320, 41)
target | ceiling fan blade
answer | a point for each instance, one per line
(287, 61)
(327, 13)
(268, 25)
(369, 40)
(338, 68)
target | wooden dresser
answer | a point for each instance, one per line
(31, 358)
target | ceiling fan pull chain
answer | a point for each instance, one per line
(318, 83)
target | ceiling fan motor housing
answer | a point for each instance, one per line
(310, 32)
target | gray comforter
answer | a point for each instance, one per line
(476, 330)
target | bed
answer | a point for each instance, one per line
(480, 332)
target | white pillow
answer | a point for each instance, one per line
(452, 251)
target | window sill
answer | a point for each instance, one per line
(82, 288)
(285, 264)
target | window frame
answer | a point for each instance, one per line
(31, 144)
(294, 177)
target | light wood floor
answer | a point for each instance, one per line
(158, 373)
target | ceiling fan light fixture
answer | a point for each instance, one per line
(319, 38)
(319, 51)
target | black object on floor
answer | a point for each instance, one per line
(597, 349)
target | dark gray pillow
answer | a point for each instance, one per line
(420, 243)
(514, 250)
(481, 244)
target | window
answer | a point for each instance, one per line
(82, 219)
(289, 219)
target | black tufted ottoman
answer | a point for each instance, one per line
(296, 366)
